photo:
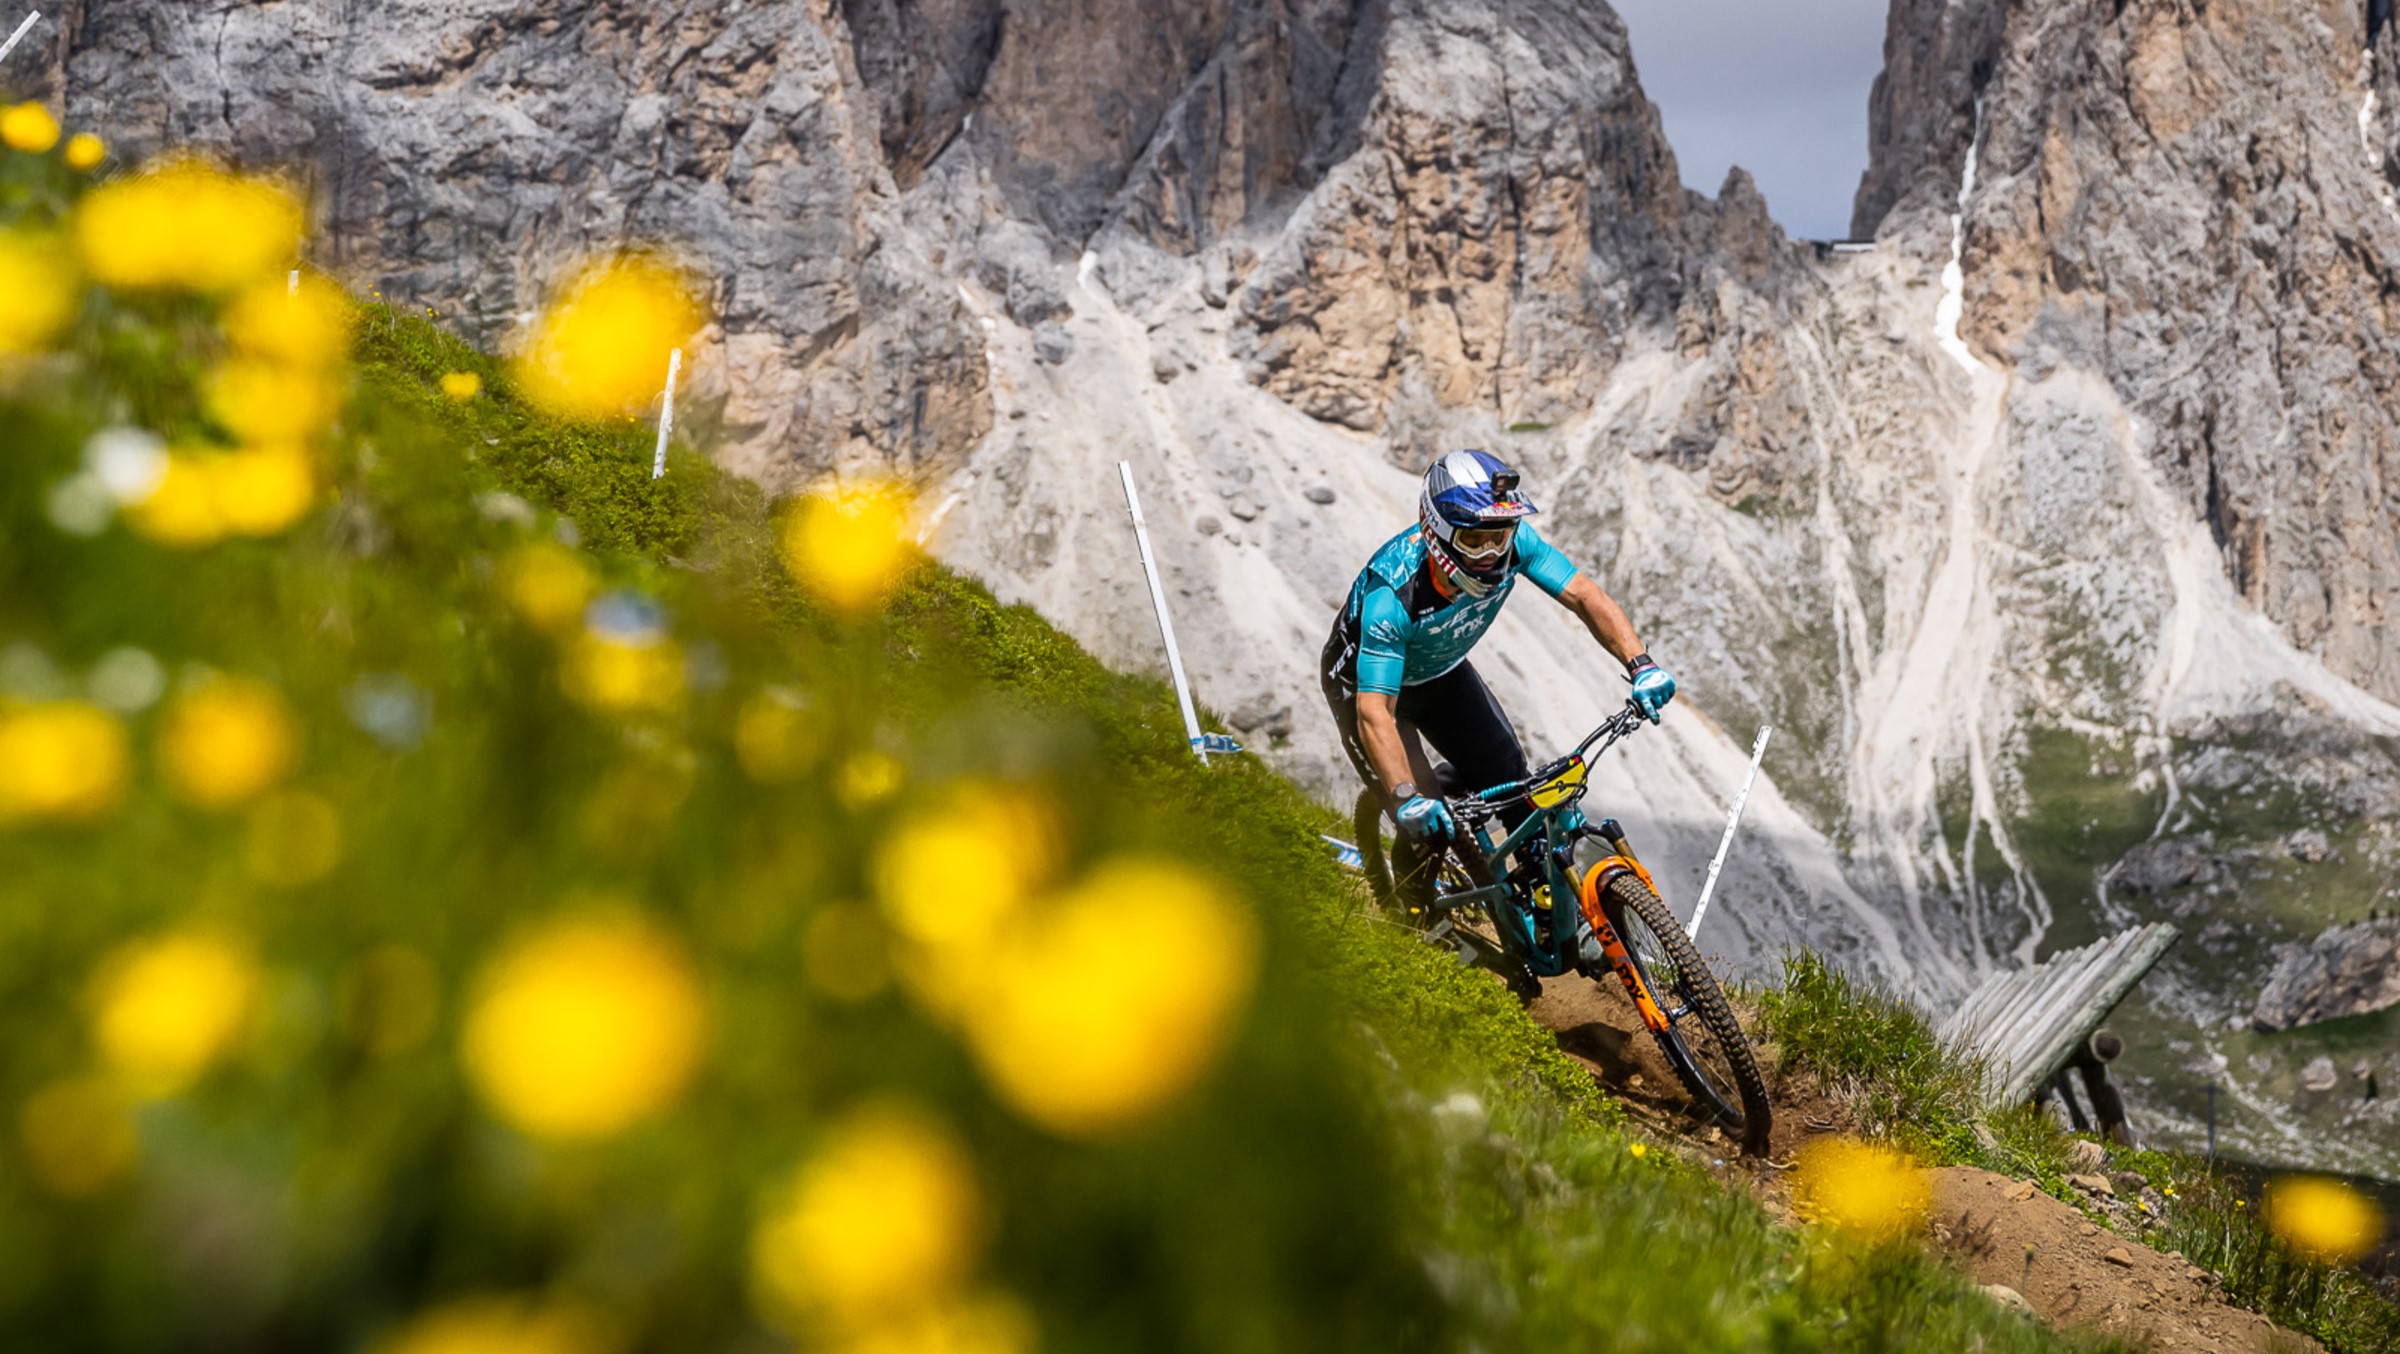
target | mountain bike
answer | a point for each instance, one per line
(1498, 904)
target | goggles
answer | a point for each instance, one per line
(1484, 544)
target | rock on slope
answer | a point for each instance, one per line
(2092, 446)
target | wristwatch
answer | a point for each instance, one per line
(1403, 792)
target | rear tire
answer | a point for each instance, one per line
(1704, 1043)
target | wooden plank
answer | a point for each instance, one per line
(2025, 1025)
(2144, 948)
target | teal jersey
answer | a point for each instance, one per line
(1396, 630)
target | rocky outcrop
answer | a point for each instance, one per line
(2195, 200)
(2347, 971)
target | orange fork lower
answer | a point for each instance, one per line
(1595, 881)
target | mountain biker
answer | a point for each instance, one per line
(1396, 665)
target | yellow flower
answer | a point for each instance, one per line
(968, 865)
(883, 1218)
(64, 762)
(77, 1136)
(549, 585)
(850, 546)
(1860, 1188)
(390, 1000)
(462, 386)
(187, 225)
(226, 742)
(85, 152)
(271, 402)
(28, 127)
(306, 328)
(987, 1324)
(2323, 1219)
(294, 840)
(262, 490)
(37, 292)
(868, 778)
(602, 348)
(181, 510)
(623, 674)
(775, 737)
(164, 1009)
(585, 1027)
(500, 1325)
(1087, 1042)
(1639, 1150)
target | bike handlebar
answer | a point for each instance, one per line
(1616, 726)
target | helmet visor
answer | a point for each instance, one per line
(1484, 545)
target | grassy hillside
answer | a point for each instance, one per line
(460, 894)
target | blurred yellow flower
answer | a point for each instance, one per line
(501, 1325)
(37, 292)
(305, 327)
(164, 1009)
(85, 152)
(548, 584)
(187, 225)
(180, 510)
(883, 1218)
(294, 839)
(262, 490)
(1639, 1150)
(602, 348)
(1116, 1001)
(462, 385)
(78, 1136)
(271, 402)
(869, 777)
(1860, 1188)
(775, 737)
(63, 762)
(623, 674)
(850, 545)
(968, 864)
(2323, 1219)
(585, 1027)
(984, 1324)
(28, 127)
(390, 998)
(226, 742)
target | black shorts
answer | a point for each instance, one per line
(1455, 712)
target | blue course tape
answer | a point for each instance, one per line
(1344, 852)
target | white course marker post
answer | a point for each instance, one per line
(666, 414)
(1166, 627)
(1758, 752)
(19, 35)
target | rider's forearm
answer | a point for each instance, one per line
(1379, 731)
(1603, 617)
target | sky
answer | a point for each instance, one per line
(1778, 87)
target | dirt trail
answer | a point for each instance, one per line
(2067, 1269)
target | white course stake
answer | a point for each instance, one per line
(1166, 628)
(666, 414)
(1758, 752)
(19, 35)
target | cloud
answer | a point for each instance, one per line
(1777, 88)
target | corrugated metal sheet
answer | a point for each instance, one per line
(2025, 1025)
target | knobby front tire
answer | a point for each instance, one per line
(1705, 1044)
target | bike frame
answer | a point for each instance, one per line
(1510, 899)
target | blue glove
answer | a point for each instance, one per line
(1653, 686)
(1425, 818)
